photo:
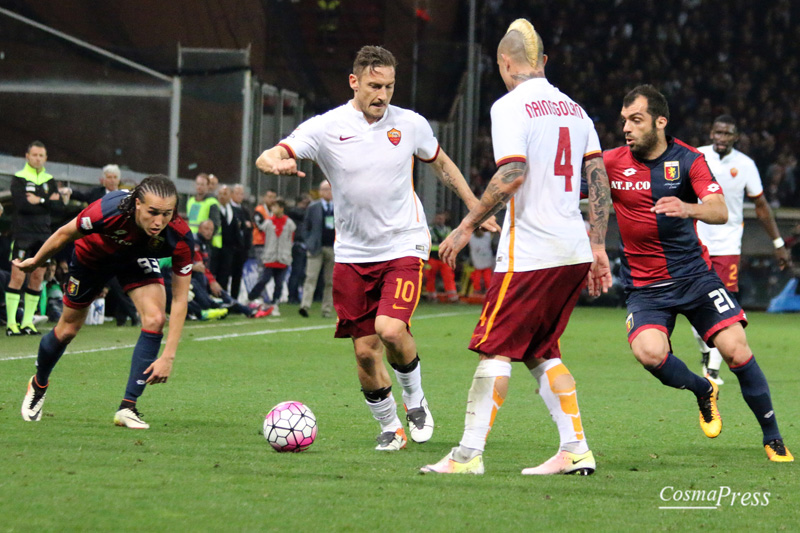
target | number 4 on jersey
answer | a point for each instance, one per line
(563, 164)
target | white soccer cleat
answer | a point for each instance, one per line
(565, 462)
(129, 417)
(33, 402)
(391, 441)
(448, 465)
(420, 423)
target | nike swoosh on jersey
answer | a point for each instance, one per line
(395, 306)
(345, 138)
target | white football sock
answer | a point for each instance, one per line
(412, 387)
(557, 389)
(484, 401)
(700, 342)
(714, 359)
(385, 412)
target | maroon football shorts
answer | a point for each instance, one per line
(526, 312)
(727, 268)
(362, 291)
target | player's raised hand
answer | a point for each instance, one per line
(27, 266)
(599, 278)
(270, 162)
(671, 206)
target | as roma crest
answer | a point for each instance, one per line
(394, 136)
(734, 172)
(72, 286)
(672, 170)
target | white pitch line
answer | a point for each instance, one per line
(219, 337)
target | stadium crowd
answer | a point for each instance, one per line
(743, 65)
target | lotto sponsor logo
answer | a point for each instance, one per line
(620, 185)
(185, 270)
(714, 187)
(86, 223)
(672, 170)
(549, 107)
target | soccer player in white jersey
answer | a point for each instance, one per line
(366, 149)
(738, 175)
(543, 143)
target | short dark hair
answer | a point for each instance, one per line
(726, 119)
(373, 57)
(37, 144)
(279, 201)
(657, 105)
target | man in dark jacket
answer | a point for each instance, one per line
(318, 235)
(35, 197)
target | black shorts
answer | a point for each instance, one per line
(26, 247)
(703, 300)
(84, 283)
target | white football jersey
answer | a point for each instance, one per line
(539, 125)
(378, 215)
(738, 175)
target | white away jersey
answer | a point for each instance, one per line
(539, 125)
(738, 175)
(378, 215)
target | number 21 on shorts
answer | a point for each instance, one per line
(721, 300)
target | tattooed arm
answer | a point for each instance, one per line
(451, 177)
(501, 188)
(594, 172)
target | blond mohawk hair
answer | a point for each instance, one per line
(530, 39)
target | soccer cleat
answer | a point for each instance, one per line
(713, 375)
(33, 402)
(129, 417)
(391, 441)
(29, 329)
(710, 419)
(275, 310)
(262, 312)
(565, 462)
(13, 331)
(303, 312)
(777, 452)
(213, 314)
(420, 423)
(448, 465)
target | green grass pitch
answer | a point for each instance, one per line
(204, 465)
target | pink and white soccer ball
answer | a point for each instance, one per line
(290, 427)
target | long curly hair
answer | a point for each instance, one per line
(157, 184)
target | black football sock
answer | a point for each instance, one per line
(144, 353)
(755, 391)
(673, 372)
(50, 351)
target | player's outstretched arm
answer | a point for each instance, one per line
(712, 211)
(501, 188)
(161, 368)
(63, 236)
(594, 172)
(767, 219)
(277, 160)
(452, 178)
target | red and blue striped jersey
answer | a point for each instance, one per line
(658, 248)
(112, 238)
